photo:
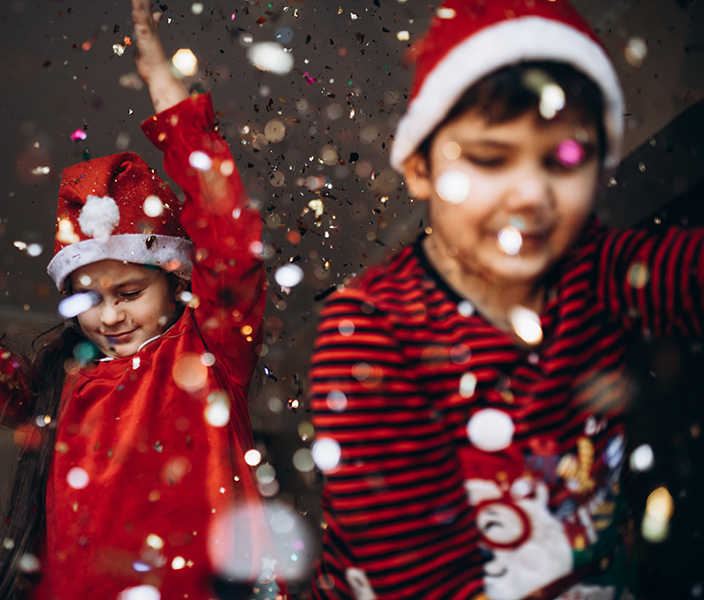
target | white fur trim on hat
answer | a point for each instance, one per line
(510, 42)
(168, 252)
(99, 216)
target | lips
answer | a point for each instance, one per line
(119, 338)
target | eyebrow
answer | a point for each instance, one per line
(120, 285)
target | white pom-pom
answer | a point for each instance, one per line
(99, 216)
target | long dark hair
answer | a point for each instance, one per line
(26, 513)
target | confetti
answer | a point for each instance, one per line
(659, 508)
(140, 592)
(77, 478)
(185, 62)
(252, 457)
(452, 186)
(526, 325)
(271, 57)
(642, 458)
(153, 207)
(510, 240)
(569, 153)
(490, 430)
(78, 136)
(200, 160)
(289, 276)
(77, 304)
(303, 460)
(636, 51)
(326, 453)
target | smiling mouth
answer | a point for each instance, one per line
(119, 338)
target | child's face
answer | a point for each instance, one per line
(486, 182)
(134, 304)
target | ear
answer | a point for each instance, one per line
(416, 172)
(180, 286)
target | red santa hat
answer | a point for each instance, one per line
(469, 39)
(115, 207)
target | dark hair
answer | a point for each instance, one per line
(26, 514)
(508, 93)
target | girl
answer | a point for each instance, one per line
(137, 410)
(469, 394)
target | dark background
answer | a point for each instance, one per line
(340, 105)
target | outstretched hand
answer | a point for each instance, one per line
(165, 88)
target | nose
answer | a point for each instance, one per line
(531, 189)
(111, 313)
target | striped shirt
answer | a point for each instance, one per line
(467, 462)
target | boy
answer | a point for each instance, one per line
(469, 394)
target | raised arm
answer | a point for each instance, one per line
(165, 89)
(228, 277)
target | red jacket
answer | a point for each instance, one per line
(139, 473)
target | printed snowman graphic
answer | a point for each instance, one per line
(528, 544)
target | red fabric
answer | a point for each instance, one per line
(125, 178)
(14, 399)
(473, 16)
(404, 505)
(155, 466)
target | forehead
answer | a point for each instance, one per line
(107, 273)
(528, 128)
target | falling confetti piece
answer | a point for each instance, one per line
(569, 153)
(153, 207)
(468, 384)
(140, 592)
(77, 478)
(636, 51)
(510, 240)
(452, 186)
(252, 457)
(185, 62)
(326, 453)
(642, 458)
(271, 57)
(200, 160)
(490, 430)
(526, 325)
(77, 304)
(289, 276)
(78, 136)
(552, 100)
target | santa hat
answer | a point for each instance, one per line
(115, 207)
(469, 39)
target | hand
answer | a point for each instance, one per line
(152, 63)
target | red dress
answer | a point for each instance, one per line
(144, 461)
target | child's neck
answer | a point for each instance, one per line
(492, 298)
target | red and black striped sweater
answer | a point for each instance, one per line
(469, 464)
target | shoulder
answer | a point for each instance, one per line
(384, 282)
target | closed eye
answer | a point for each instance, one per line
(487, 162)
(127, 296)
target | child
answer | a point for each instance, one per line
(469, 393)
(138, 411)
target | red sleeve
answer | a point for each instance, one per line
(228, 276)
(397, 515)
(15, 407)
(654, 284)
